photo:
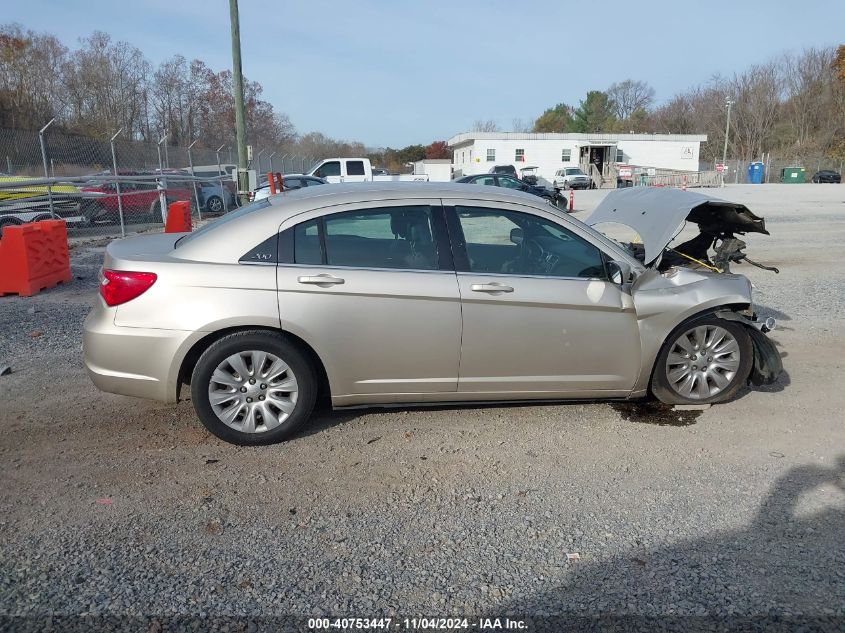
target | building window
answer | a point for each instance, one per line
(565, 155)
(491, 155)
(619, 156)
(520, 156)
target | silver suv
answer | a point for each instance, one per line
(406, 293)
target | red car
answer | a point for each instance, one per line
(140, 197)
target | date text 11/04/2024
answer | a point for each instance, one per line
(417, 624)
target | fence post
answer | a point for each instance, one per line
(117, 183)
(222, 187)
(44, 159)
(258, 160)
(194, 183)
(162, 200)
(271, 161)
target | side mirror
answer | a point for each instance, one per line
(524, 188)
(517, 236)
(620, 272)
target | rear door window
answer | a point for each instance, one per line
(394, 237)
(355, 168)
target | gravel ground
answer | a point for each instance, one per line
(119, 507)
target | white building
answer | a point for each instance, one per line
(478, 152)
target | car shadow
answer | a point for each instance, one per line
(782, 572)
(764, 312)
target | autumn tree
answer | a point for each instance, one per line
(438, 150)
(30, 77)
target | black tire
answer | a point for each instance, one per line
(660, 383)
(214, 204)
(42, 217)
(8, 221)
(89, 211)
(259, 340)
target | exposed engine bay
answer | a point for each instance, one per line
(658, 215)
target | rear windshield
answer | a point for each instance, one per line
(215, 224)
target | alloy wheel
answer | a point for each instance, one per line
(253, 391)
(702, 362)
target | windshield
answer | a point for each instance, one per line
(216, 224)
(575, 171)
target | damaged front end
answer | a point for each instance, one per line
(767, 361)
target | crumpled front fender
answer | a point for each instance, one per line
(767, 361)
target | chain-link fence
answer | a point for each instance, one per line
(114, 184)
(777, 169)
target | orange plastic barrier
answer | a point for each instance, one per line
(275, 182)
(33, 257)
(178, 217)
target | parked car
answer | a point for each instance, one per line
(139, 197)
(211, 196)
(337, 170)
(508, 170)
(290, 182)
(572, 178)
(379, 294)
(828, 176)
(508, 182)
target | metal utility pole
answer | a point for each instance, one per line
(117, 183)
(46, 172)
(194, 183)
(729, 103)
(238, 93)
(162, 200)
(223, 191)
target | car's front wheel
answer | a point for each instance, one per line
(702, 362)
(253, 387)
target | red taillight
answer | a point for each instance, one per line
(120, 286)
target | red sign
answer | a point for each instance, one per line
(720, 167)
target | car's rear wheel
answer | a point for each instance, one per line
(253, 388)
(8, 221)
(704, 361)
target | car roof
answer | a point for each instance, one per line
(240, 235)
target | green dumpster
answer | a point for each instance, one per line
(793, 175)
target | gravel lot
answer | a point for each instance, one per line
(119, 507)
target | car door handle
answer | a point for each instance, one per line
(320, 280)
(492, 288)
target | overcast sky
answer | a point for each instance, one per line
(391, 73)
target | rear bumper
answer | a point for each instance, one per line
(133, 361)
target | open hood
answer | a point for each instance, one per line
(658, 215)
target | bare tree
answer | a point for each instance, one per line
(485, 126)
(629, 96)
(809, 83)
(30, 77)
(106, 86)
(518, 125)
(757, 93)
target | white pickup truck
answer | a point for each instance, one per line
(356, 170)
